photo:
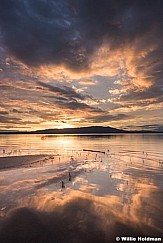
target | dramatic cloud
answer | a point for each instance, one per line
(6, 119)
(106, 118)
(69, 32)
(67, 98)
(154, 127)
(65, 91)
(89, 56)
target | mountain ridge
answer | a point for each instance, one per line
(78, 130)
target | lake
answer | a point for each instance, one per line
(82, 188)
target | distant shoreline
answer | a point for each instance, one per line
(82, 134)
(81, 131)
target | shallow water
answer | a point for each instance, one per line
(123, 182)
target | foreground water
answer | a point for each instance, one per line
(74, 195)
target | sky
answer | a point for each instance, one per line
(68, 63)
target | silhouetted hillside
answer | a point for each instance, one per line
(81, 130)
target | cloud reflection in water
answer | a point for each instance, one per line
(108, 196)
(79, 217)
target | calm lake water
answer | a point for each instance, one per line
(113, 192)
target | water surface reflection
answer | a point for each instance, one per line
(80, 217)
(110, 194)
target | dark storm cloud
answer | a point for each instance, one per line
(69, 31)
(16, 111)
(65, 91)
(56, 97)
(153, 95)
(6, 119)
(67, 98)
(107, 118)
(3, 113)
(150, 127)
(77, 105)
